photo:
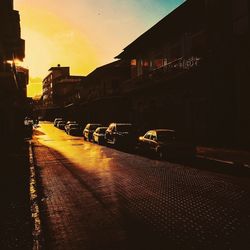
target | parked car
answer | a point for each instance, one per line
(28, 127)
(70, 122)
(61, 124)
(57, 120)
(28, 121)
(73, 129)
(89, 130)
(163, 143)
(99, 135)
(120, 134)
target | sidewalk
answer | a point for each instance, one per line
(16, 225)
(230, 156)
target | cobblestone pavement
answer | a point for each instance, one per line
(95, 197)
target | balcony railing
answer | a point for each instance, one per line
(172, 69)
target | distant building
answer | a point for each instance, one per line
(98, 96)
(50, 81)
(190, 72)
(65, 88)
(58, 85)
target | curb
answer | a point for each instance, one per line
(34, 203)
(232, 163)
(214, 159)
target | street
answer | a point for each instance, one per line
(97, 197)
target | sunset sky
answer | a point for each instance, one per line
(82, 34)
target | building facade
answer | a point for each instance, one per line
(189, 72)
(50, 82)
(58, 85)
(13, 80)
(98, 97)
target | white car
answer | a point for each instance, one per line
(99, 135)
(89, 130)
(57, 120)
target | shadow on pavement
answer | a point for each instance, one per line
(16, 225)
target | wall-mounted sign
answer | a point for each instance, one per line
(183, 63)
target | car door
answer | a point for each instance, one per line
(153, 142)
(96, 135)
(146, 142)
(108, 132)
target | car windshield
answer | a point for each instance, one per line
(94, 126)
(124, 128)
(102, 130)
(166, 136)
(74, 126)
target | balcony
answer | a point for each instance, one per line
(164, 73)
(14, 48)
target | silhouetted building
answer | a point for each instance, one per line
(65, 88)
(11, 45)
(13, 80)
(98, 97)
(104, 81)
(22, 79)
(190, 72)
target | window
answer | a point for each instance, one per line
(112, 127)
(153, 137)
(148, 135)
(158, 63)
(133, 62)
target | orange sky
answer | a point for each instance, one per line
(82, 34)
(51, 41)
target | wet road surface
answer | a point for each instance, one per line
(96, 197)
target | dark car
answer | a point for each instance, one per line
(89, 130)
(73, 129)
(57, 120)
(28, 127)
(68, 123)
(164, 144)
(61, 124)
(120, 134)
(99, 135)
